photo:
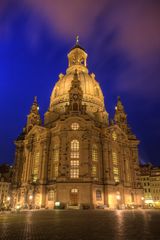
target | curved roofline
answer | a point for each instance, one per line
(78, 46)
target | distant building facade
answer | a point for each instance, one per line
(5, 186)
(150, 179)
(77, 157)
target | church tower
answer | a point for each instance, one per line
(120, 116)
(75, 97)
(34, 117)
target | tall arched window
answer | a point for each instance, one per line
(128, 176)
(94, 153)
(98, 195)
(55, 160)
(94, 160)
(74, 149)
(75, 106)
(74, 162)
(36, 166)
(115, 167)
(51, 195)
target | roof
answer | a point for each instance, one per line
(78, 46)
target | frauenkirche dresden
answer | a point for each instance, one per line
(78, 157)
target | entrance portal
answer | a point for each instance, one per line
(74, 197)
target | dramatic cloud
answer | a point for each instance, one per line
(128, 28)
(136, 28)
(122, 38)
(70, 17)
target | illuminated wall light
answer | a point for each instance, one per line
(118, 197)
(148, 201)
(30, 197)
(57, 204)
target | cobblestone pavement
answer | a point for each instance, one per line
(81, 225)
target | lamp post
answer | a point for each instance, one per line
(142, 198)
(8, 202)
(30, 201)
(30, 197)
(118, 197)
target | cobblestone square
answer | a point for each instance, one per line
(81, 225)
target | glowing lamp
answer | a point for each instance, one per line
(30, 197)
(118, 197)
(57, 204)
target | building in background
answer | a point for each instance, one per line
(5, 186)
(150, 179)
(78, 157)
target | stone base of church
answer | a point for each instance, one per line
(77, 196)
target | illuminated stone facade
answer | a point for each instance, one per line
(5, 186)
(77, 157)
(150, 179)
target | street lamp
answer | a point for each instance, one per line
(8, 198)
(118, 197)
(142, 198)
(30, 197)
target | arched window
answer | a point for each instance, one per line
(36, 166)
(51, 195)
(74, 190)
(55, 160)
(94, 171)
(82, 61)
(75, 106)
(94, 160)
(94, 153)
(98, 195)
(128, 177)
(56, 153)
(115, 167)
(74, 162)
(74, 149)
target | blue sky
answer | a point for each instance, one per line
(122, 39)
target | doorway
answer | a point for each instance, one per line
(74, 197)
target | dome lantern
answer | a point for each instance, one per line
(92, 93)
(77, 58)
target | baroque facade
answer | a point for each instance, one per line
(5, 186)
(77, 157)
(150, 180)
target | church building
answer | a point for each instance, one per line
(78, 157)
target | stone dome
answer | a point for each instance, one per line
(92, 93)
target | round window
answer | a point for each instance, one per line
(75, 126)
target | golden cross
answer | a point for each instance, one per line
(77, 40)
